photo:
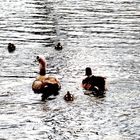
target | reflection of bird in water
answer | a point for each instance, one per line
(47, 85)
(69, 97)
(94, 83)
(58, 46)
(11, 47)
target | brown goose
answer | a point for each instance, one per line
(94, 83)
(46, 85)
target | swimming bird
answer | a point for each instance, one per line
(11, 47)
(58, 46)
(94, 83)
(46, 85)
(68, 96)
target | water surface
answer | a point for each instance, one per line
(103, 35)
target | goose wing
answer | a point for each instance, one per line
(51, 81)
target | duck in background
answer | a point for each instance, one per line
(68, 96)
(46, 85)
(58, 46)
(11, 47)
(96, 84)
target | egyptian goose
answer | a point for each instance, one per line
(68, 97)
(11, 47)
(58, 46)
(46, 85)
(94, 83)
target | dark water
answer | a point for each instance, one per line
(102, 34)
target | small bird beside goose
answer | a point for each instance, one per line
(94, 83)
(68, 96)
(46, 85)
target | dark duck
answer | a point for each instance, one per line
(58, 46)
(69, 97)
(11, 47)
(46, 85)
(96, 84)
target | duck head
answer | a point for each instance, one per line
(68, 96)
(59, 44)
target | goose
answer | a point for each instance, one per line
(11, 47)
(94, 83)
(58, 46)
(68, 96)
(46, 85)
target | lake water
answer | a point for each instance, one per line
(101, 34)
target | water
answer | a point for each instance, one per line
(97, 33)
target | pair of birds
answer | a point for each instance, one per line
(48, 85)
(11, 47)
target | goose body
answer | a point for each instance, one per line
(11, 47)
(46, 85)
(69, 97)
(58, 46)
(94, 83)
